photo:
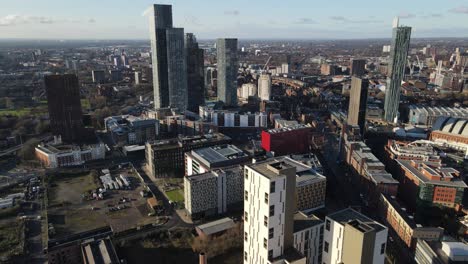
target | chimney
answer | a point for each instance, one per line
(203, 259)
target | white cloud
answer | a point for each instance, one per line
(15, 19)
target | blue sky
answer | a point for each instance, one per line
(305, 19)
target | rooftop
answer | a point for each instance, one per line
(445, 174)
(348, 215)
(216, 226)
(219, 154)
(288, 128)
(302, 221)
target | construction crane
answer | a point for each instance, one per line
(411, 67)
(266, 65)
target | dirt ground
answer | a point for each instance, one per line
(70, 213)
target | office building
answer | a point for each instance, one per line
(227, 65)
(351, 237)
(169, 59)
(269, 207)
(165, 158)
(115, 75)
(206, 159)
(358, 103)
(396, 70)
(287, 140)
(264, 87)
(214, 192)
(99, 76)
(358, 67)
(128, 129)
(56, 154)
(195, 73)
(63, 101)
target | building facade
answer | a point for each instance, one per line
(264, 87)
(195, 73)
(396, 70)
(227, 71)
(57, 155)
(128, 129)
(358, 67)
(287, 140)
(358, 103)
(63, 101)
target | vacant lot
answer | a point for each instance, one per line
(71, 209)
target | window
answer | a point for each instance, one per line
(270, 254)
(246, 195)
(307, 234)
(266, 198)
(246, 236)
(272, 210)
(246, 217)
(327, 225)
(382, 249)
(271, 232)
(272, 187)
(265, 220)
(245, 256)
(265, 243)
(246, 174)
(325, 246)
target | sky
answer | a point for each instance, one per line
(244, 19)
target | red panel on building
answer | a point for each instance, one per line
(288, 140)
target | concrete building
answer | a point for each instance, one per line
(165, 158)
(269, 194)
(206, 159)
(285, 68)
(358, 103)
(169, 59)
(215, 228)
(247, 90)
(396, 70)
(115, 75)
(351, 237)
(411, 151)
(227, 65)
(264, 87)
(426, 116)
(57, 155)
(225, 118)
(138, 77)
(128, 129)
(358, 67)
(308, 237)
(195, 73)
(399, 219)
(214, 192)
(99, 76)
(63, 101)
(441, 252)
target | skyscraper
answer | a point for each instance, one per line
(358, 67)
(358, 102)
(227, 71)
(169, 62)
(396, 69)
(195, 73)
(63, 100)
(264, 87)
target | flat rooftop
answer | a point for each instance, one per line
(218, 154)
(217, 226)
(406, 164)
(303, 222)
(348, 215)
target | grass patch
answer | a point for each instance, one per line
(11, 239)
(176, 195)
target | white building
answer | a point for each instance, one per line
(351, 237)
(308, 237)
(264, 87)
(223, 118)
(269, 206)
(248, 89)
(285, 68)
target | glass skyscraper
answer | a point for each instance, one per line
(396, 70)
(168, 59)
(227, 71)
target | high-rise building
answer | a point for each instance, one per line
(63, 100)
(396, 70)
(351, 237)
(99, 76)
(227, 71)
(169, 62)
(358, 67)
(285, 68)
(195, 73)
(273, 232)
(358, 102)
(137, 77)
(264, 87)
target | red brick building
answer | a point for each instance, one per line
(287, 140)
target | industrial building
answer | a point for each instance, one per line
(426, 116)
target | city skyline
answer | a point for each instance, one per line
(244, 20)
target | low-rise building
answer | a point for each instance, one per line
(132, 130)
(427, 115)
(56, 155)
(411, 151)
(215, 228)
(452, 133)
(441, 252)
(403, 223)
(287, 140)
(165, 158)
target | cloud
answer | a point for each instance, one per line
(459, 10)
(406, 15)
(347, 20)
(232, 12)
(305, 21)
(14, 19)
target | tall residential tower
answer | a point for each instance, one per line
(195, 73)
(168, 59)
(358, 102)
(227, 71)
(396, 70)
